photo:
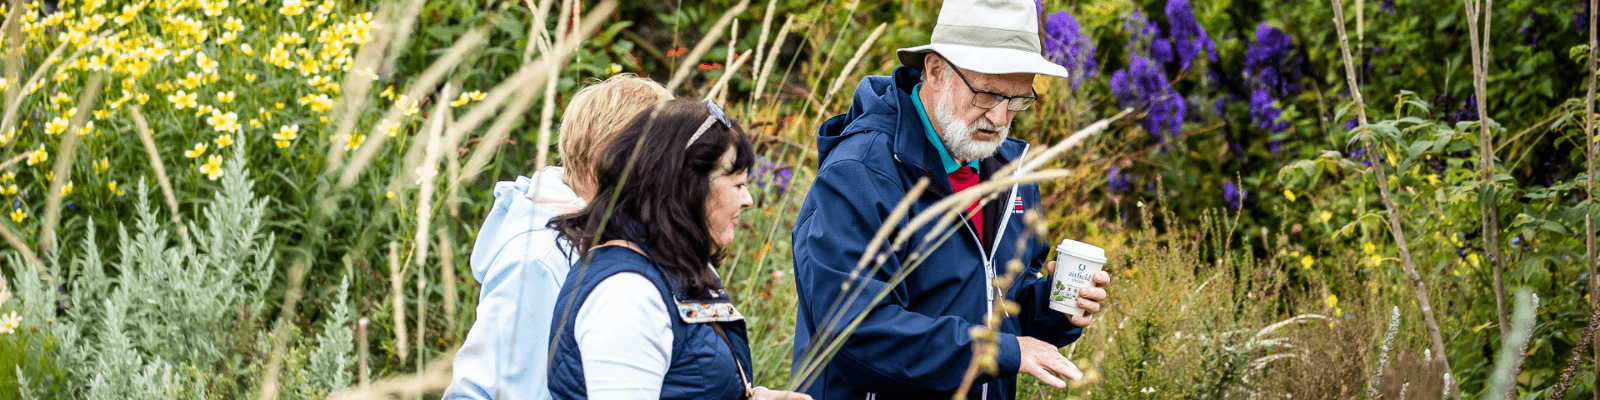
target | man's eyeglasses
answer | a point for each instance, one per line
(987, 100)
(716, 115)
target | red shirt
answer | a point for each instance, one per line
(964, 178)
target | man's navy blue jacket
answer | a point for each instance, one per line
(916, 342)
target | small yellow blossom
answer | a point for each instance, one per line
(9, 190)
(286, 134)
(1289, 194)
(319, 80)
(112, 186)
(388, 92)
(199, 150)
(255, 123)
(17, 215)
(613, 69)
(225, 97)
(206, 64)
(102, 165)
(233, 24)
(10, 322)
(1332, 301)
(38, 156)
(1475, 260)
(183, 100)
(212, 168)
(224, 122)
(1307, 262)
(247, 50)
(389, 194)
(56, 126)
(66, 189)
(292, 7)
(1368, 248)
(224, 140)
(354, 142)
(250, 78)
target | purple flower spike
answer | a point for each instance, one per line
(1233, 195)
(1272, 61)
(1066, 45)
(1264, 114)
(1189, 39)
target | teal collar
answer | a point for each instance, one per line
(950, 165)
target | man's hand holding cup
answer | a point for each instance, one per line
(1080, 286)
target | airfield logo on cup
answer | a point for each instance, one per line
(1080, 274)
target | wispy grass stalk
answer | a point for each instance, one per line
(700, 49)
(1383, 355)
(720, 89)
(425, 82)
(849, 67)
(353, 98)
(766, 27)
(447, 276)
(363, 369)
(1503, 380)
(1388, 200)
(65, 155)
(280, 334)
(435, 376)
(149, 141)
(397, 286)
(772, 58)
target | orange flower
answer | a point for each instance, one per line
(677, 52)
(707, 66)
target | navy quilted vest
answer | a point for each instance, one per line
(702, 366)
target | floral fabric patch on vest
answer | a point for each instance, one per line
(708, 310)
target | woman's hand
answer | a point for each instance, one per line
(762, 393)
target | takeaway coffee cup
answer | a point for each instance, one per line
(1076, 263)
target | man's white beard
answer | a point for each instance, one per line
(957, 135)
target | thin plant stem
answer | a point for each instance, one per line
(1389, 204)
(1588, 214)
(397, 286)
(155, 162)
(1559, 390)
(64, 158)
(1487, 209)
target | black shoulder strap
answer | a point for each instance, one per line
(717, 326)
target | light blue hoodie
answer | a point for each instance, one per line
(521, 266)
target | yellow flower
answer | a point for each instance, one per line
(66, 189)
(223, 122)
(225, 97)
(292, 7)
(460, 101)
(1307, 261)
(1475, 260)
(214, 8)
(8, 176)
(286, 134)
(250, 78)
(183, 100)
(10, 322)
(102, 113)
(255, 123)
(224, 140)
(56, 126)
(101, 165)
(113, 187)
(233, 24)
(389, 194)
(9, 190)
(199, 149)
(1289, 194)
(212, 168)
(38, 156)
(388, 92)
(1332, 301)
(247, 50)
(144, 97)
(205, 63)
(17, 215)
(320, 103)
(1368, 248)
(354, 142)
(319, 80)
(613, 69)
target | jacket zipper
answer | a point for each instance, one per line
(988, 256)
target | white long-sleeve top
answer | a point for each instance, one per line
(624, 333)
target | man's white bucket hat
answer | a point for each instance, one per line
(987, 36)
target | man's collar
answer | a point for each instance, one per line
(950, 165)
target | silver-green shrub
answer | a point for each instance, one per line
(159, 319)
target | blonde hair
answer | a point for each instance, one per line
(595, 115)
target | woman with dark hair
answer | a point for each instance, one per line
(643, 314)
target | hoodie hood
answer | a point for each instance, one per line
(521, 207)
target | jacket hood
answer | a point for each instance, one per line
(521, 206)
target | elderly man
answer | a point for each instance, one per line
(944, 116)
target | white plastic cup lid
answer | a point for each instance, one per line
(1085, 251)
